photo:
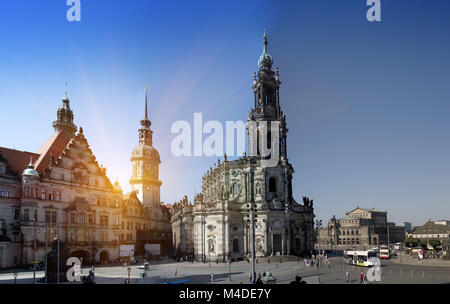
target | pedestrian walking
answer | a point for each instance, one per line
(347, 277)
(259, 280)
(211, 277)
(92, 275)
(361, 278)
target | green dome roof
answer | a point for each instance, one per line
(30, 171)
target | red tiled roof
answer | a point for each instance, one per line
(55, 145)
(18, 160)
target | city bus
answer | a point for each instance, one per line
(359, 258)
(385, 252)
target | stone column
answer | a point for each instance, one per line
(271, 239)
(227, 237)
(245, 239)
(283, 241)
(288, 241)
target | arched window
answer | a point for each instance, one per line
(235, 246)
(272, 184)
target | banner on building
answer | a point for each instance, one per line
(152, 249)
(126, 250)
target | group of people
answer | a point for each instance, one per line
(362, 278)
(316, 260)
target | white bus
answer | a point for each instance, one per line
(385, 252)
(359, 258)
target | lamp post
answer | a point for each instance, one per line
(318, 225)
(34, 253)
(46, 248)
(229, 270)
(57, 257)
(81, 265)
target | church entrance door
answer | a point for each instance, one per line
(276, 243)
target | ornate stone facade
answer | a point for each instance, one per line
(216, 226)
(146, 218)
(361, 227)
(63, 190)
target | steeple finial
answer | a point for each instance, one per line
(265, 61)
(265, 41)
(30, 165)
(145, 122)
(65, 94)
(146, 90)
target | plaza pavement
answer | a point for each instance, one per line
(237, 273)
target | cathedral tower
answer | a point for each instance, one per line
(266, 86)
(64, 121)
(145, 159)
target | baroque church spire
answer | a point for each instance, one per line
(266, 89)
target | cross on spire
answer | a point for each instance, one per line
(265, 41)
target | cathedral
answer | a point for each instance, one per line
(62, 190)
(217, 225)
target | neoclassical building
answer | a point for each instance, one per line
(360, 227)
(216, 225)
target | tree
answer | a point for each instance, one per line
(411, 242)
(435, 243)
(424, 245)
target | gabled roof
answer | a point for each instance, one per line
(17, 160)
(54, 146)
(431, 228)
(365, 209)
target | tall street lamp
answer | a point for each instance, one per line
(318, 225)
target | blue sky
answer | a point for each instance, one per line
(366, 103)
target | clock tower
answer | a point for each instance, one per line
(145, 159)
